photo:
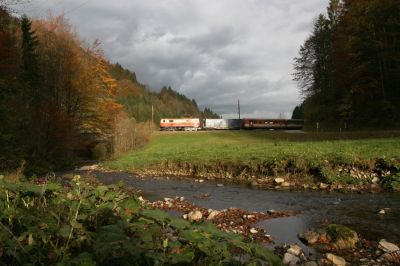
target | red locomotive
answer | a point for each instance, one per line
(186, 124)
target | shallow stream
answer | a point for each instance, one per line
(359, 211)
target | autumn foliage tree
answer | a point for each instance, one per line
(56, 89)
(60, 99)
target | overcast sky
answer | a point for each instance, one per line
(215, 51)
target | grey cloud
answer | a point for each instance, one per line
(213, 51)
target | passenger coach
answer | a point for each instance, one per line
(258, 123)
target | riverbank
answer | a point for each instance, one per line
(334, 161)
(281, 216)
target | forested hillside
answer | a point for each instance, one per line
(348, 69)
(60, 99)
(139, 100)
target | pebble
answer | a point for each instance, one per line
(268, 236)
(279, 180)
(194, 216)
(253, 231)
(295, 250)
(386, 246)
(220, 185)
(323, 186)
(212, 215)
(290, 259)
(336, 260)
(311, 237)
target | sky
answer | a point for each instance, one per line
(213, 51)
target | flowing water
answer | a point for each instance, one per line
(358, 211)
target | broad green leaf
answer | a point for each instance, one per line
(192, 236)
(179, 223)
(267, 255)
(185, 256)
(156, 215)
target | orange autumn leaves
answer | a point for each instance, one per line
(77, 77)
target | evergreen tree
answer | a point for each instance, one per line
(29, 47)
(298, 112)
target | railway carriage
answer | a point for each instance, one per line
(260, 123)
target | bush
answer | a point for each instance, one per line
(80, 224)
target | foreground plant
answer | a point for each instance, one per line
(79, 224)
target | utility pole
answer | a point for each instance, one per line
(152, 116)
(239, 108)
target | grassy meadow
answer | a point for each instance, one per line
(259, 146)
(248, 154)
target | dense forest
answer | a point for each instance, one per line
(348, 69)
(60, 99)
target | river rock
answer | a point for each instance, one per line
(212, 215)
(195, 216)
(393, 257)
(386, 246)
(279, 180)
(336, 260)
(341, 236)
(220, 185)
(295, 250)
(290, 259)
(285, 184)
(253, 231)
(323, 186)
(310, 237)
(375, 180)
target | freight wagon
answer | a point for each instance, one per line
(210, 124)
(172, 124)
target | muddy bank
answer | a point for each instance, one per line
(376, 175)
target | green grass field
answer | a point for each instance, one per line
(253, 147)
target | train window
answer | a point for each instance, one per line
(163, 120)
(171, 121)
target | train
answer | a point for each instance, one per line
(194, 124)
